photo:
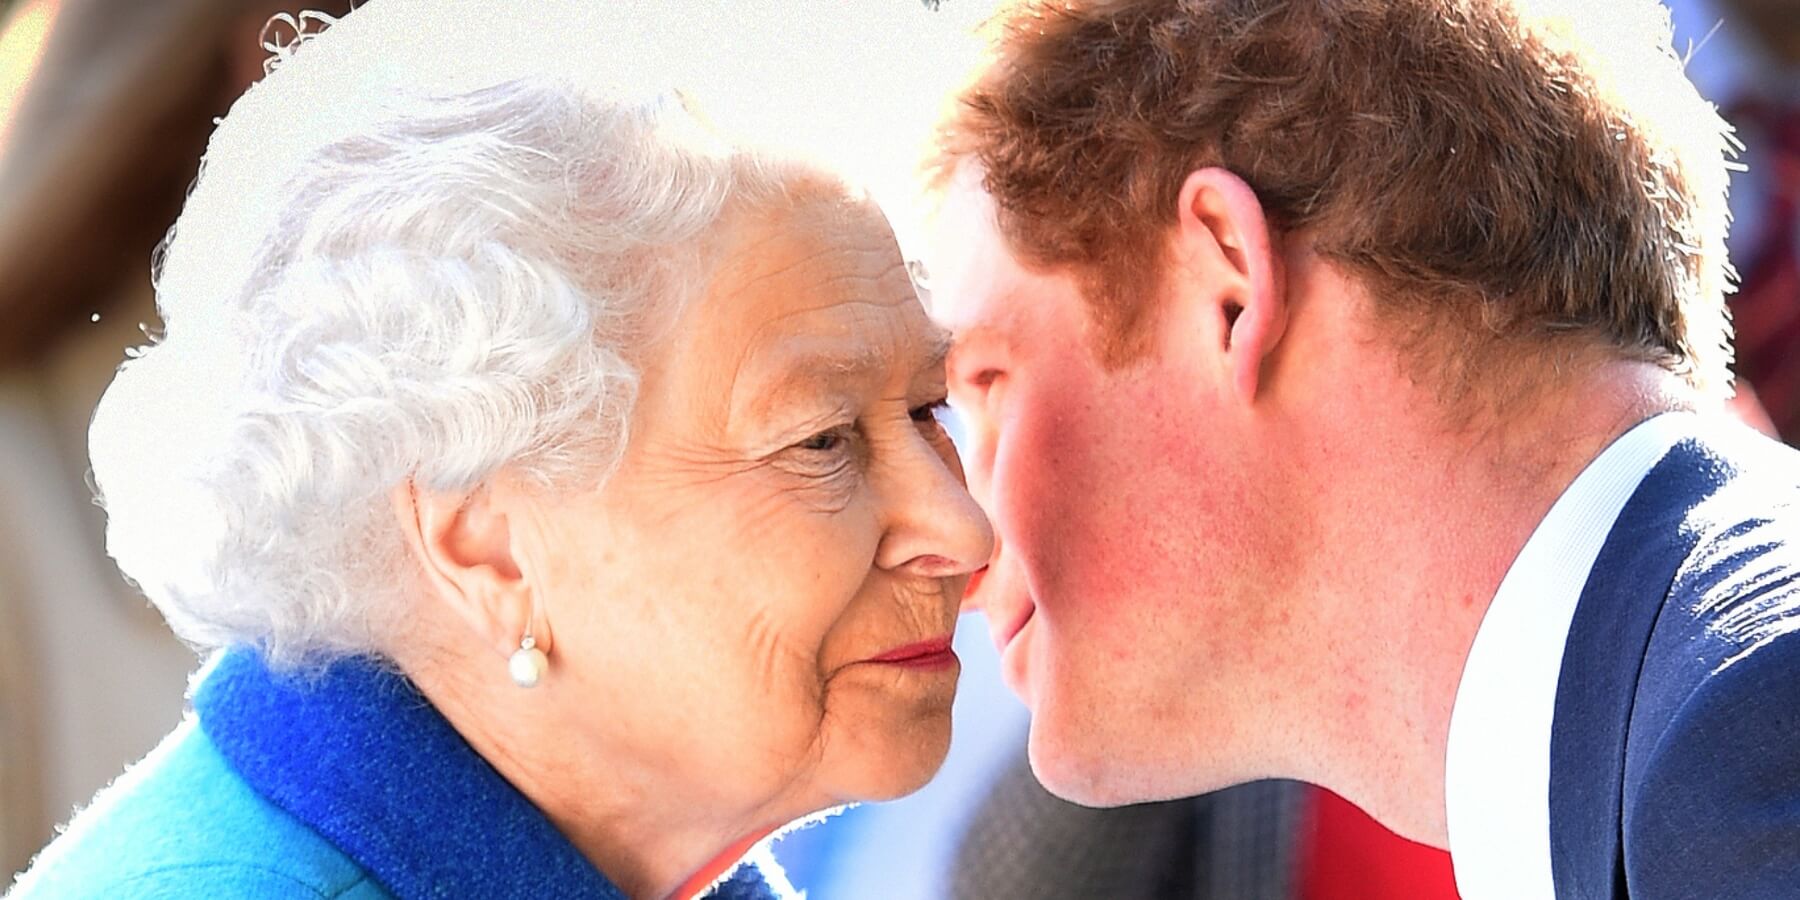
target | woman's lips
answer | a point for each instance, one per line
(925, 654)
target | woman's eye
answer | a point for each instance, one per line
(823, 442)
(930, 412)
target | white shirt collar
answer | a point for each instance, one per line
(1497, 767)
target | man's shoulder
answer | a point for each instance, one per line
(1712, 762)
(1731, 618)
(183, 824)
(1711, 803)
(1736, 594)
(1705, 556)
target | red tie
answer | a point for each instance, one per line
(1766, 308)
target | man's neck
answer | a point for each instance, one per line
(1421, 538)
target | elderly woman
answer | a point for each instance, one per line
(560, 487)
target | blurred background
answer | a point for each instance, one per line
(105, 107)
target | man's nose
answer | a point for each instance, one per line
(971, 599)
(974, 596)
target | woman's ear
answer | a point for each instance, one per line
(1225, 248)
(463, 542)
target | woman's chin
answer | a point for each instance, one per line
(898, 764)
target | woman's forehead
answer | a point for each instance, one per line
(835, 278)
(804, 299)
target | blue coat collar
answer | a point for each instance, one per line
(363, 759)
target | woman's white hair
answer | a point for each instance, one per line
(403, 259)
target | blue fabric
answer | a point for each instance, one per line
(361, 757)
(342, 784)
(1675, 750)
(182, 825)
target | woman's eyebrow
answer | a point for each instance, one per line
(803, 369)
(799, 371)
(938, 343)
(834, 364)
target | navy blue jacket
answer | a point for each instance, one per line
(1675, 748)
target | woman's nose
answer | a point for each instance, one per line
(935, 528)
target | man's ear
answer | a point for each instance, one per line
(464, 546)
(1224, 245)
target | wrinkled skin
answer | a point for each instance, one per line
(788, 507)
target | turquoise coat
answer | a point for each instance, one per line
(346, 784)
(182, 823)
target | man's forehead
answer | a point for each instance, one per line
(970, 279)
(964, 210)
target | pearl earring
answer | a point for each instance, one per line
(528, 664)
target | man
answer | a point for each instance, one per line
(1343, 381)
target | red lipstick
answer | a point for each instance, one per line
(928, 654)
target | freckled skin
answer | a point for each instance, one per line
(1124, 533)
(1265, 546)
(719, 598)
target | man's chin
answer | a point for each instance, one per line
(1082, 762)
(1071, 765)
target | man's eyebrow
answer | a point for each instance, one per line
(983, 333)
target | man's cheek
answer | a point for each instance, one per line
(975, 443)
(1028, 487)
